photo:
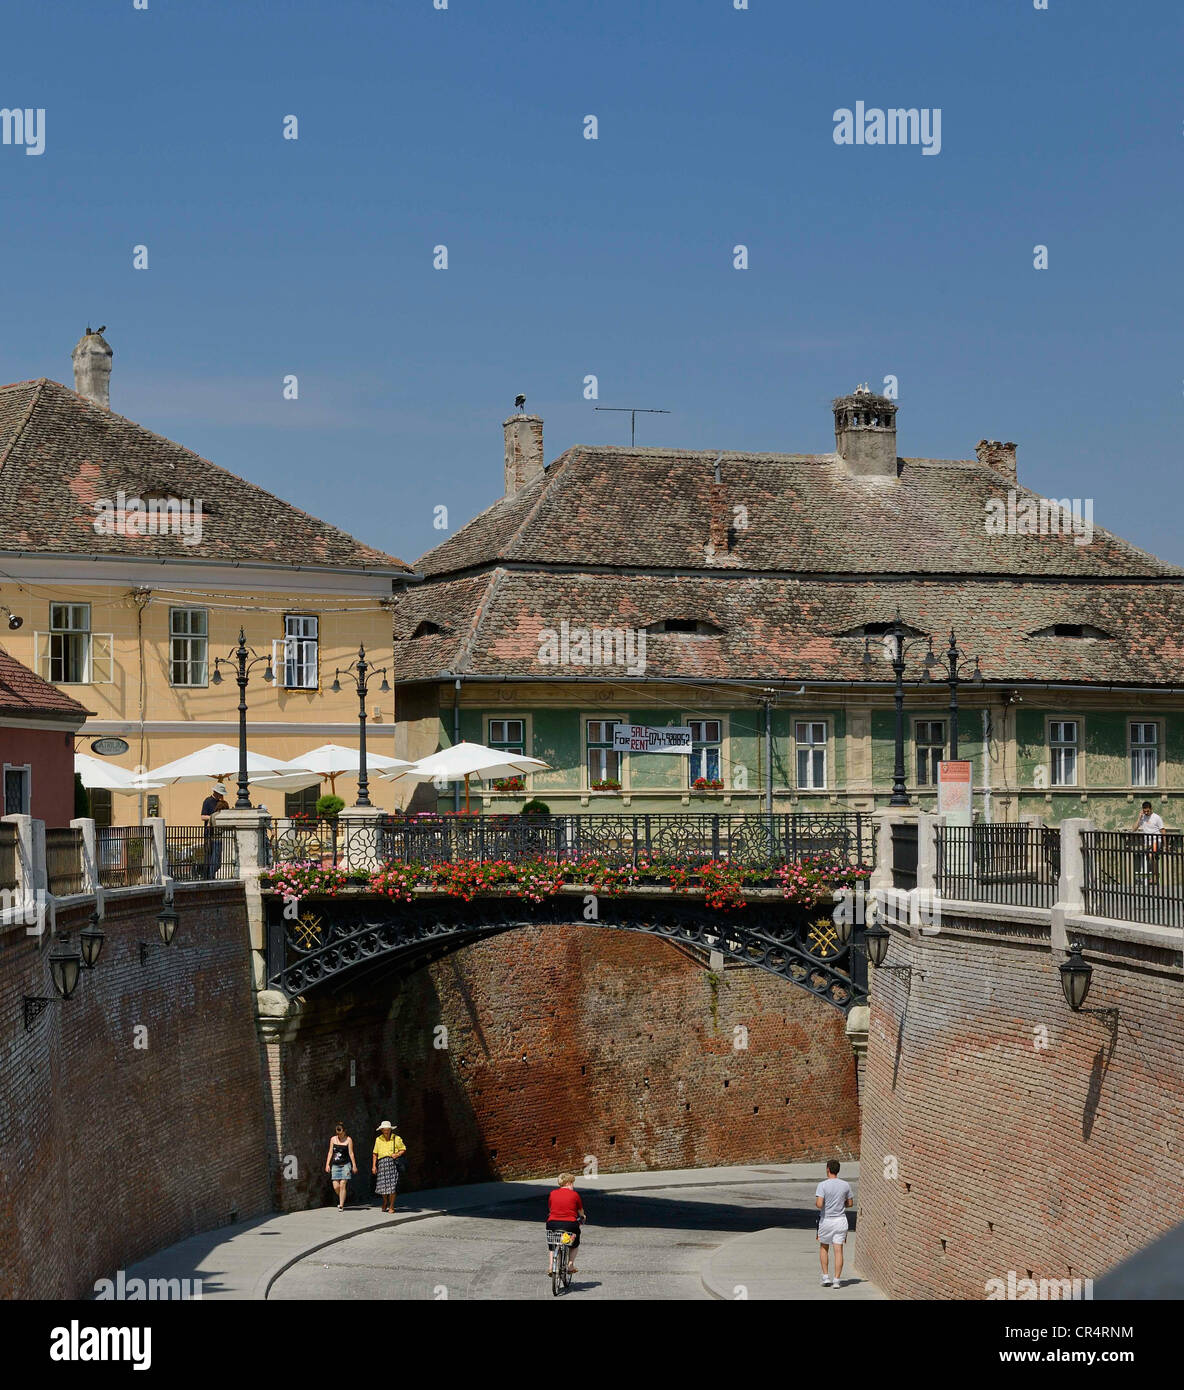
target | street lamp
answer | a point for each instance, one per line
(166, 925)
(956, 660)
(364, 673)
(64, 969)
(91, 940)
(877, 940)
(245, 658)
(900, 650)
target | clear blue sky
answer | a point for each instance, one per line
(613, 257)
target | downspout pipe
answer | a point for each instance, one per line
(456, 739)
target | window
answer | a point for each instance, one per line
(930, 738)
(69, 653)
(303, 802)
(189, 646)
(509, 735)
(300, 651)
(604, 765)
(1144, 755)
(706, 737)
(101, 808)
(1062, 742)
(811, 742)
(153, 808)
(17, 790)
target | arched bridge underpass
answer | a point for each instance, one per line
(336, 943)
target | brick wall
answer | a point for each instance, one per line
(109, 1151)
(563, 1042)
(1001, 1132)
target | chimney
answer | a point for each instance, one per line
(1001, 457)
(92, 367)
(865, 433)
(524, 450)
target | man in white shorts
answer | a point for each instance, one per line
(832, 1198)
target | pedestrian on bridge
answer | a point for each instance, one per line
(340, 1163)
(387, 1148)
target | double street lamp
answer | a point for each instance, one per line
(902, 646)
(245, 659)
(363, 673)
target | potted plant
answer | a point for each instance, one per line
(707, 784)
(509, 784)
(329, 807)
(606, 784)
(536, 809)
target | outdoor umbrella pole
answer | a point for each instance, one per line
(466, 793)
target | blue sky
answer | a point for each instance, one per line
(613, 257)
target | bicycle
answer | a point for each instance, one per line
(561, 1242)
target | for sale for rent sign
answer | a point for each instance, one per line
(640, 738)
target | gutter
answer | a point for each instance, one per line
(48, 555)
(1079, 686)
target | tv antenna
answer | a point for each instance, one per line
(633, 411)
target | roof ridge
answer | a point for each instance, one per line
(464, 651)
(556, 470)
(25, 418)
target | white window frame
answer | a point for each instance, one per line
(918, 720)
(600, 717)
(527, 744)
(1134, 748)
(187, 639)
(98, 665)
(27, 770)
(811, 748)
(296, 662)
(703, 745)
(1060, 745)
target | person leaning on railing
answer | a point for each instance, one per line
(1151, 826)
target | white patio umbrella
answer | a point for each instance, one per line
(466, 760)
(331, 760)
(96, 773)
(218, 762)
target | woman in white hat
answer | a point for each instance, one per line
(387, 1148)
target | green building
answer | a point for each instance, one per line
(748, 598)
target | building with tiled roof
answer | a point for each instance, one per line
(37, 727)
(760, 586)
(134, 561)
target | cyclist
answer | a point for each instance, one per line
(565, 1211)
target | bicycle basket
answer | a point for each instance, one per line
(555, 1238)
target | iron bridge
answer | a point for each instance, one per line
(338, 943)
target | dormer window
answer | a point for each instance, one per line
(882, 630)
(691, 627)
(1077, 631)
(427, 629)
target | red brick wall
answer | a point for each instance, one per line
(563, 1042)
(50, 757)
(1051, 1161)
(109, 1151)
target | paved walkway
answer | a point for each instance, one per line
(244, 1261)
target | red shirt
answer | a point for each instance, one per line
(564, 1204)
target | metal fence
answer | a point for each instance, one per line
(1015, 864)
(63, 861)
(8, 855)
(745, 838)
(1134, 877)
(200, 853)
(125, 855)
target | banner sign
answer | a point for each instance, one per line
(639, 738)
(955, 792)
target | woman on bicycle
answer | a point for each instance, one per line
(565, 1211)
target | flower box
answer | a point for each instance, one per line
(608, 784)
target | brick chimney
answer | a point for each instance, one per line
(865, 433)
(524, 450)
(92, 367)
(1001, 457)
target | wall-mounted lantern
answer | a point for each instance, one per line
(64, 968)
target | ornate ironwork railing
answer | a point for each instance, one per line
(200, 852)
(1134, 877)
(1015, 864)
(63, 861)
(743, 837)
(8, 855)
(125, 855)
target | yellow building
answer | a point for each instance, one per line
(130, 564)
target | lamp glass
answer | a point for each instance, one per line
(216, 678)
(877, 944)
(166, 924)
(336, 686)
(91, 941)
(384, 688)
(64, 967)
(1076, 977)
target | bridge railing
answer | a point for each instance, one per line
(1017, 864)
(744, 837)
(1134, 877)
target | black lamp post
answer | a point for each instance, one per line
(363, 673)
(65, 966)
(245, 658)
(1076, 977)
(901, 645)
(956, 661)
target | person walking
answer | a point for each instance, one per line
(1151, 826)
(388, 1147)
(832, 1197)
(340, 1163)
(215, 802)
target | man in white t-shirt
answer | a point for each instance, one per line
(1152, 827)
(832, 1198)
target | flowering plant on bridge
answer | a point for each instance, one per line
(812, 881)
(396, 881)
(301, 877)
(721, 882)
